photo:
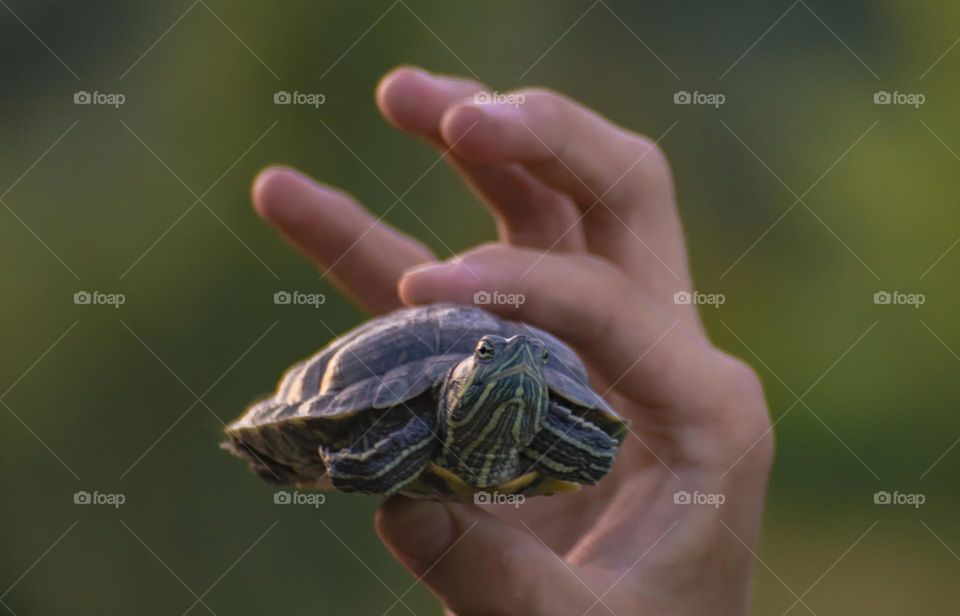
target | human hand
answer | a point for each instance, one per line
(590, 236)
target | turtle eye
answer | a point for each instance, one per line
(485, 350)
(545, 356)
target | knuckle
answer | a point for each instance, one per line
(742, 412)
(552, 110)
(647, 147)
(654, 159)
(744, 381)
(649, 169)
(610, 291)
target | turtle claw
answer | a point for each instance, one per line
(386, 466)
(571, 448)
(439, 483)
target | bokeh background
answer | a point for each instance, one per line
(97, 198)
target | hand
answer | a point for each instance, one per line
(590, 236)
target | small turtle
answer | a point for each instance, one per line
(438, 402)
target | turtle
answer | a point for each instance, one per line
(439, 402)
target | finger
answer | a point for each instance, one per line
(620, 180)
(572, 147)
(477, 563)
(528, 212)
(363, 256)
(414, 100)
(641, 352)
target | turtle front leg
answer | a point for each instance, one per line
(385, 466)
(571, 448)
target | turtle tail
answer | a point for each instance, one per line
(277, 452)
(262, 465)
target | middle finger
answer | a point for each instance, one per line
(528, 212)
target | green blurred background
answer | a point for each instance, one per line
(99, 399)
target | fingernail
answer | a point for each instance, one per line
(495, 110)
(419, 531)
(451, 281)
(478, 118)
(435, 268)
(496, 105)
(271, 189)
(447, 273)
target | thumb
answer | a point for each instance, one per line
(477, 563)
(586, 302)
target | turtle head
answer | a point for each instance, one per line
(494, 400)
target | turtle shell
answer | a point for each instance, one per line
(393, 360)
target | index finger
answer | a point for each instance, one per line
(361, 254)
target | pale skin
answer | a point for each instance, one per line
(589, 233)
